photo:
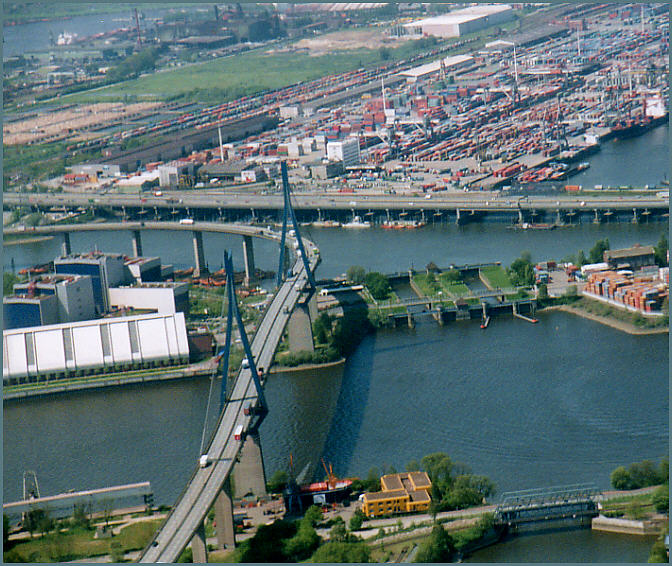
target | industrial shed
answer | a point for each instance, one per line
(89, 346)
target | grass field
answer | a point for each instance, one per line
(79, 543)
(241, 75)
(496, 277)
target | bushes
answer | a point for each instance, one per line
(378, 285)
(639, 474)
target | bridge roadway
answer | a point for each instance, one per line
(206, 483)
(216, 200)
(240, 229)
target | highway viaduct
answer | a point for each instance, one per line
(457, 207)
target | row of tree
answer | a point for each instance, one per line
(640, 474)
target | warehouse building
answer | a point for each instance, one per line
(85, 347)
(449, 64)
(635, 257)
(163, 298)
(22, 311)
(144, 269)
(105, 269)
(346, 151)
(401, 493)
(74, 296)
(461, 22)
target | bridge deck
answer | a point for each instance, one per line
(206, 483)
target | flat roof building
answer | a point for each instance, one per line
(115, 344)
(400, 493)
(461, 22)
(105, 269)
(634, 257)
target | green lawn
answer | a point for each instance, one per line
(496, 277)
(241, 75)
(79, 543)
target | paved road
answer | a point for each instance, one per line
(307, 201)
(206, 483)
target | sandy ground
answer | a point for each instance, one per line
(343, 40)
(50, 126)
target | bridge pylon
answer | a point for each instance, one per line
(288, 214)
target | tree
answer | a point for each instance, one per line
(322, 328)
(313, 515)
(521, 272)
(378, 285)
(664, 470)
(581, 258)
(661, 499)
(355, 274)
(33, 519)
(8, 280)
(278, 482)
(596, 254)
(643, 474)
(338, 532)
(439, 547)
(620, 478)
(80, 517)
(384, 53)
(373, 479)
(660, 251)
(5, 530)
(342, 552)
(305, 541)
(357, 520)
(543, 291)
(439, 468)
(413, 466)
(267, 545)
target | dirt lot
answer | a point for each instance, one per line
(53, 126)
(344, 40)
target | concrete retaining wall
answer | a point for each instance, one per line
(625, 526)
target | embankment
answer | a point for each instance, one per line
(618, 324)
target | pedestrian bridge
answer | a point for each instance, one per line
(519, 508)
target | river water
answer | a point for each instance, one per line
(560, 402)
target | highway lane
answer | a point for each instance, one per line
(205, 484)
(482, 201)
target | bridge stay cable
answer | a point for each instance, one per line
(224, 354)
(289, 212)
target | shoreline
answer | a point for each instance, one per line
(306, 367)
(32, 240)
(54, 388)
(613, 323)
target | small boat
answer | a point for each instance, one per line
(357, 222)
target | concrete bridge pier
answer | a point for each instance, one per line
(458, 217)
(521, 218)
(248, 255)
(300, 329)
(635, 218)
(410, 320)
(438, 316)
(558, 217)
(248, 473)
(66, 248)
(597, 219)
(224, 517)
(199, 548)
(137, 243)
(387, 211)
(199, 256)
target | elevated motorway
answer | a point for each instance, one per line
(187, 203)
(206, 483)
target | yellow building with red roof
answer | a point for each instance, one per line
(400, 493)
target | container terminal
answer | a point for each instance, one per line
(521, 111)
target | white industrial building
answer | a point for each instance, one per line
(107, 344)
(449, 64)
(461, 22)
(346, 151)
(164, 298)
(170, 173)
